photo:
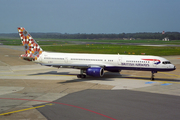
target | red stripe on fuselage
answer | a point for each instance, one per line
(152, 60)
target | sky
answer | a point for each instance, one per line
(90, 16)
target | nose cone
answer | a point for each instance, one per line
(172, 67)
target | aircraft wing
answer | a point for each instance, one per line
(76, 66)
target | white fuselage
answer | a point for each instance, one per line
(91, 64)
(106, 61)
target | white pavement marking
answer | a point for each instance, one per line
(5, 69)
(46, 97)
(6, 90)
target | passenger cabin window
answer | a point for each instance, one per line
(166, 62)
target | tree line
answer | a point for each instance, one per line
(170, 35)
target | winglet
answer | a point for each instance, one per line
(32, 49)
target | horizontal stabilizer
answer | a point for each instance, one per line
(27, 57)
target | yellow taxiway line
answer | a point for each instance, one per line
(34, 75)
(170, 74)
(8, 113)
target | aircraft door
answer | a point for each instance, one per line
(66, 59)
(119, 60)
(40, 58)
(154, 63)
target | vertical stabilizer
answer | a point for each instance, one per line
(32, 49)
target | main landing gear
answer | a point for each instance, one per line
(81, 75)
(152, 75)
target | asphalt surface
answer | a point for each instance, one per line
(31, 91)
(114, 104)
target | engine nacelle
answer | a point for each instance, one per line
(95, 72)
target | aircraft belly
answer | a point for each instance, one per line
(109, 68)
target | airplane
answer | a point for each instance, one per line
(91, 64)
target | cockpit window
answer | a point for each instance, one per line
(166, 62)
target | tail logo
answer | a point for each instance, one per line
(32, 49)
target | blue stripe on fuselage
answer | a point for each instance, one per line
(115, 68)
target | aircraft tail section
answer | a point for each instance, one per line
(32, 49)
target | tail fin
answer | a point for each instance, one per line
(32, 49)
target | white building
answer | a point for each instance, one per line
(165, 39)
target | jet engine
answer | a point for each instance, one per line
(95, 72)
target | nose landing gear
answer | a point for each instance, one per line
(152, 75)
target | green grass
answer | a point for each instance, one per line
(66, 46)
(8, 41)
(114, 49)
(146, 41)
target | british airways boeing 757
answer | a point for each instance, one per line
(91, 64)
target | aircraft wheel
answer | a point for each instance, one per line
(81, 76)
(152, 79)
(78, 76)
